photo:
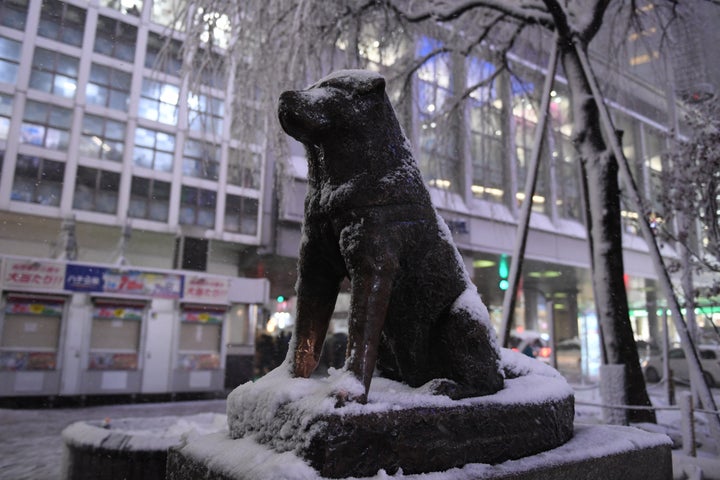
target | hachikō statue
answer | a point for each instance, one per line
(415, 316)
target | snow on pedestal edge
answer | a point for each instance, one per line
(253, 406)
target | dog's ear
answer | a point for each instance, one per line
(377, 85)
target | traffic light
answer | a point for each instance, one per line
(503, 271)
(280, 298)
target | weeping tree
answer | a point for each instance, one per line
(693, 195)
(268, 46)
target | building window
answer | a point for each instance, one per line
(128, 7)
(149, 199)
(216, 27)
(525, 107)
(153, 149)
(115, 39)
(163, 56)
(438, 153)
(205, 114)
(96, 190)
(6, 102)
(158, 102)
(9, 60)
(102, 138)
(55, 73)
(201, 160)
(241, 214)
(62, 22)
(486, 133)
(563, 153)
(165, 12)
(197, 206)
(210, 68)
(38, 180)
(13, 13)
(108, 87)
(244, 168)
(46, 125)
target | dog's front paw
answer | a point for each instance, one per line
(343, 397)
(444, 386)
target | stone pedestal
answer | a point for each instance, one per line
(596, 452)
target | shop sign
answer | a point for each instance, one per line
(34, 308)
(202, 316)
(81, 278)
(36, 275)
(118, 313)
(142, 283)
(206, 289)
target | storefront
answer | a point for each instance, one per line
(79, 329)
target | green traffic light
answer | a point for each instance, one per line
(503, 269)
(504, 284)
(280, 299)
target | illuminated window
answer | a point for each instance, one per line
(167, 13)
(9, 60)
(96, 190)
(13, 13)
(54, 72)
(216, 27)
(128, 7)
(438, 160)
(62, 22)
(197, 206)
(153, 149)
(102, 138)
(201, 159)
(108, 87)
(38, 180)
(158, 101)
(115, 39)
(46, 125)
(149, 199)
(205, 114)
(486, 133)
(241, 214)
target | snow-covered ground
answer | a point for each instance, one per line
(31, 446)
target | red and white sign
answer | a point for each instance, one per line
(206, 289)
(35, 275)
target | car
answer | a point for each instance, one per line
(568, 355)
(709, 360)
(531, 343)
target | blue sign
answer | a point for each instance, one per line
(79, 278)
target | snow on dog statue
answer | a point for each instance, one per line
(414, 313)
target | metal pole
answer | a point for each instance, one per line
(524, 220)
(654, 251)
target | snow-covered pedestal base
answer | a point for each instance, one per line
(128, 448)
(596, 452)
(402, 428)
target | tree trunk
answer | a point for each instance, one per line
(602, 196)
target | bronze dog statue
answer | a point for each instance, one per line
(414, 313)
